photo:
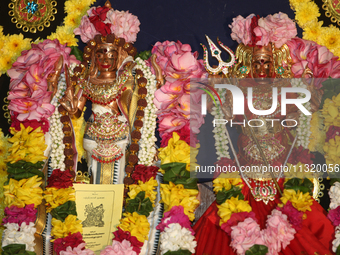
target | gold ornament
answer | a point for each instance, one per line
(332, 10)
(32, 15)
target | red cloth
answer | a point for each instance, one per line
(315, 237)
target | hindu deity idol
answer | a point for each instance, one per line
(262, 62)
(109, 79)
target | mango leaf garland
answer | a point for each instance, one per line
(140, 204)
(179, 252)
(24, 170)
(257, 249)
(223, 195)
(18, 249)
(304, 185)
(177, 174)
(62, 211)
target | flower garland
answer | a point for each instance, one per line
(221, 139)
(31, 110)
(11, 46)
(333, 214)
(303, 128)
(238, 220)
(174, 112)
(56, 130)
(306, 15)
(147, 149)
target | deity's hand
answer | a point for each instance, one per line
(158, 71)
(71, 101)
(53, 77)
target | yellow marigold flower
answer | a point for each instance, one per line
(78, 6)
(73, 19)
(65, 36)
(312, 32)
(330, 38)
(306, 12)
(5, 62)
(62, 229)
(295, 3)
(301, 201)
(14, 42)
(27, 145)
(55, 197)
(136, 224)
(148, 187)
(178, 151)
(318, 136)
(24, 192)
(330, 111)
(230, 206)
(79, 130)
(4, 147)
(174, 195)
(332, 150)
(226, 183)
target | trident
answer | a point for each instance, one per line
(216, 53)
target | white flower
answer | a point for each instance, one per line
(175, 238)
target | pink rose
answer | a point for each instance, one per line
(279, 27)
(245, 235)
(79, 250)
(240, 29)
(279, 228)
(86, 30)
(235, 219)
(119, 248)
(124, 25)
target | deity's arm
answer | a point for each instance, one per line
(73, 101)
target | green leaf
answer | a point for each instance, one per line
(223, 195)
(77, 53)
(18, 249)
(304, 185)
(22, 169)
(144, 54)
(177, 173)
(62, 211)
(257, 249)
(140, 204)
(179, 252)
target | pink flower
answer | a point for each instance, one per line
(121, 235)
(278, 232)
(235, 219)
(294, 216)
(240, 29)
(18, 215)
(177, 61)
(86, 30)
(262, 36)
(171, 121)
(279, 27)
(185, 135)
(119, 248)
(334, 216)
(124, 25)
(317, 58)
(175, 215)
(245, 235)
(79, 250)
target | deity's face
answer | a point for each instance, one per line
(263, 63)
(106, 57)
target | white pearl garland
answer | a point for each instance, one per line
(303, 127)
(221, 139)
(56, 128)
(147, 149)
